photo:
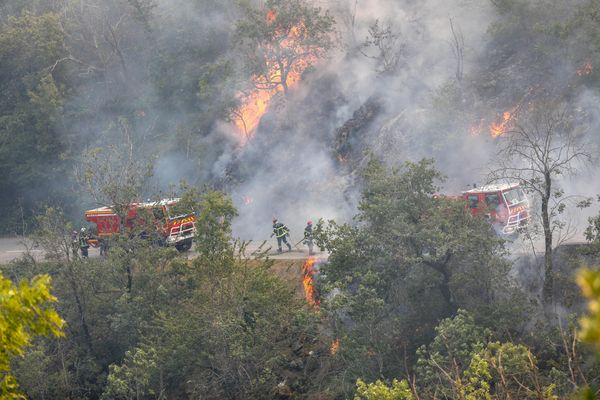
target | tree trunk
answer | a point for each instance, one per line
(84, 326)
(548, 270)
(442, 269)
(445, 290)
(129, 279)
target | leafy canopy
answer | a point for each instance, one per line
(24, 314)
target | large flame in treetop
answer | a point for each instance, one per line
(255, 104)
(308, 275)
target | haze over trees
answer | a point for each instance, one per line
(542, 148)
(365, 117)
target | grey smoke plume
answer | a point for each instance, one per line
(435, 104)
(293, 173)
(429, 108)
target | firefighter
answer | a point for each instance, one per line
(308, 237)
(83, 242)
(281, 232)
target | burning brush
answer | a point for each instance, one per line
(284, 72)
(308, 281)
(500, 128)
(335, 347)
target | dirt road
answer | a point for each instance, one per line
(11, 248)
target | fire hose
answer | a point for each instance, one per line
(296, 245)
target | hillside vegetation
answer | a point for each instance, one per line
(362, 116)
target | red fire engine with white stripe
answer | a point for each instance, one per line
(506, 206)
(174, 228)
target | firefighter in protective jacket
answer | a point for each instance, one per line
(281, 232)
(83, 242)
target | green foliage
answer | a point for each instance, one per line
(78, 75)
(213, 224)
(412, 258)
(233, 335)
(30, 107)
(589, 282)
(54, 234)
(515, 372)
(477, 377)
(24, 314)
(30, 44)
(34, 372)
(399, 390)
(463, 363)
(114, 176)
(225, 325)
(451, 352)
(132, 379)
(592, 234)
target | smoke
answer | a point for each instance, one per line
(438, 103)
(290, 169)
(452, 79)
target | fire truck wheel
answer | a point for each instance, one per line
(184, 246)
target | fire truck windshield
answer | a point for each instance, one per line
(514, 196)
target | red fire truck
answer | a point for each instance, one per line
(506, 206)
(174, 228)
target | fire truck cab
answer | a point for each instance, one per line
(505, 205)
(175, 230)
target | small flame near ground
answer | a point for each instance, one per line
(255, 104)
(308, 276)
(335, 346)
(586, 69)
(342, 159)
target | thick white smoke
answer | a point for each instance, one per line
(426, 107)
(294, 174)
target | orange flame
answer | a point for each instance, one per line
(255, 104)
(335, 346)
(499, 128)
(251, 111)
(586, 69)
(308, 273)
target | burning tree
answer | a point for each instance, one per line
(308, 282)
(278, 41)
(281, 39)
(541, 147)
